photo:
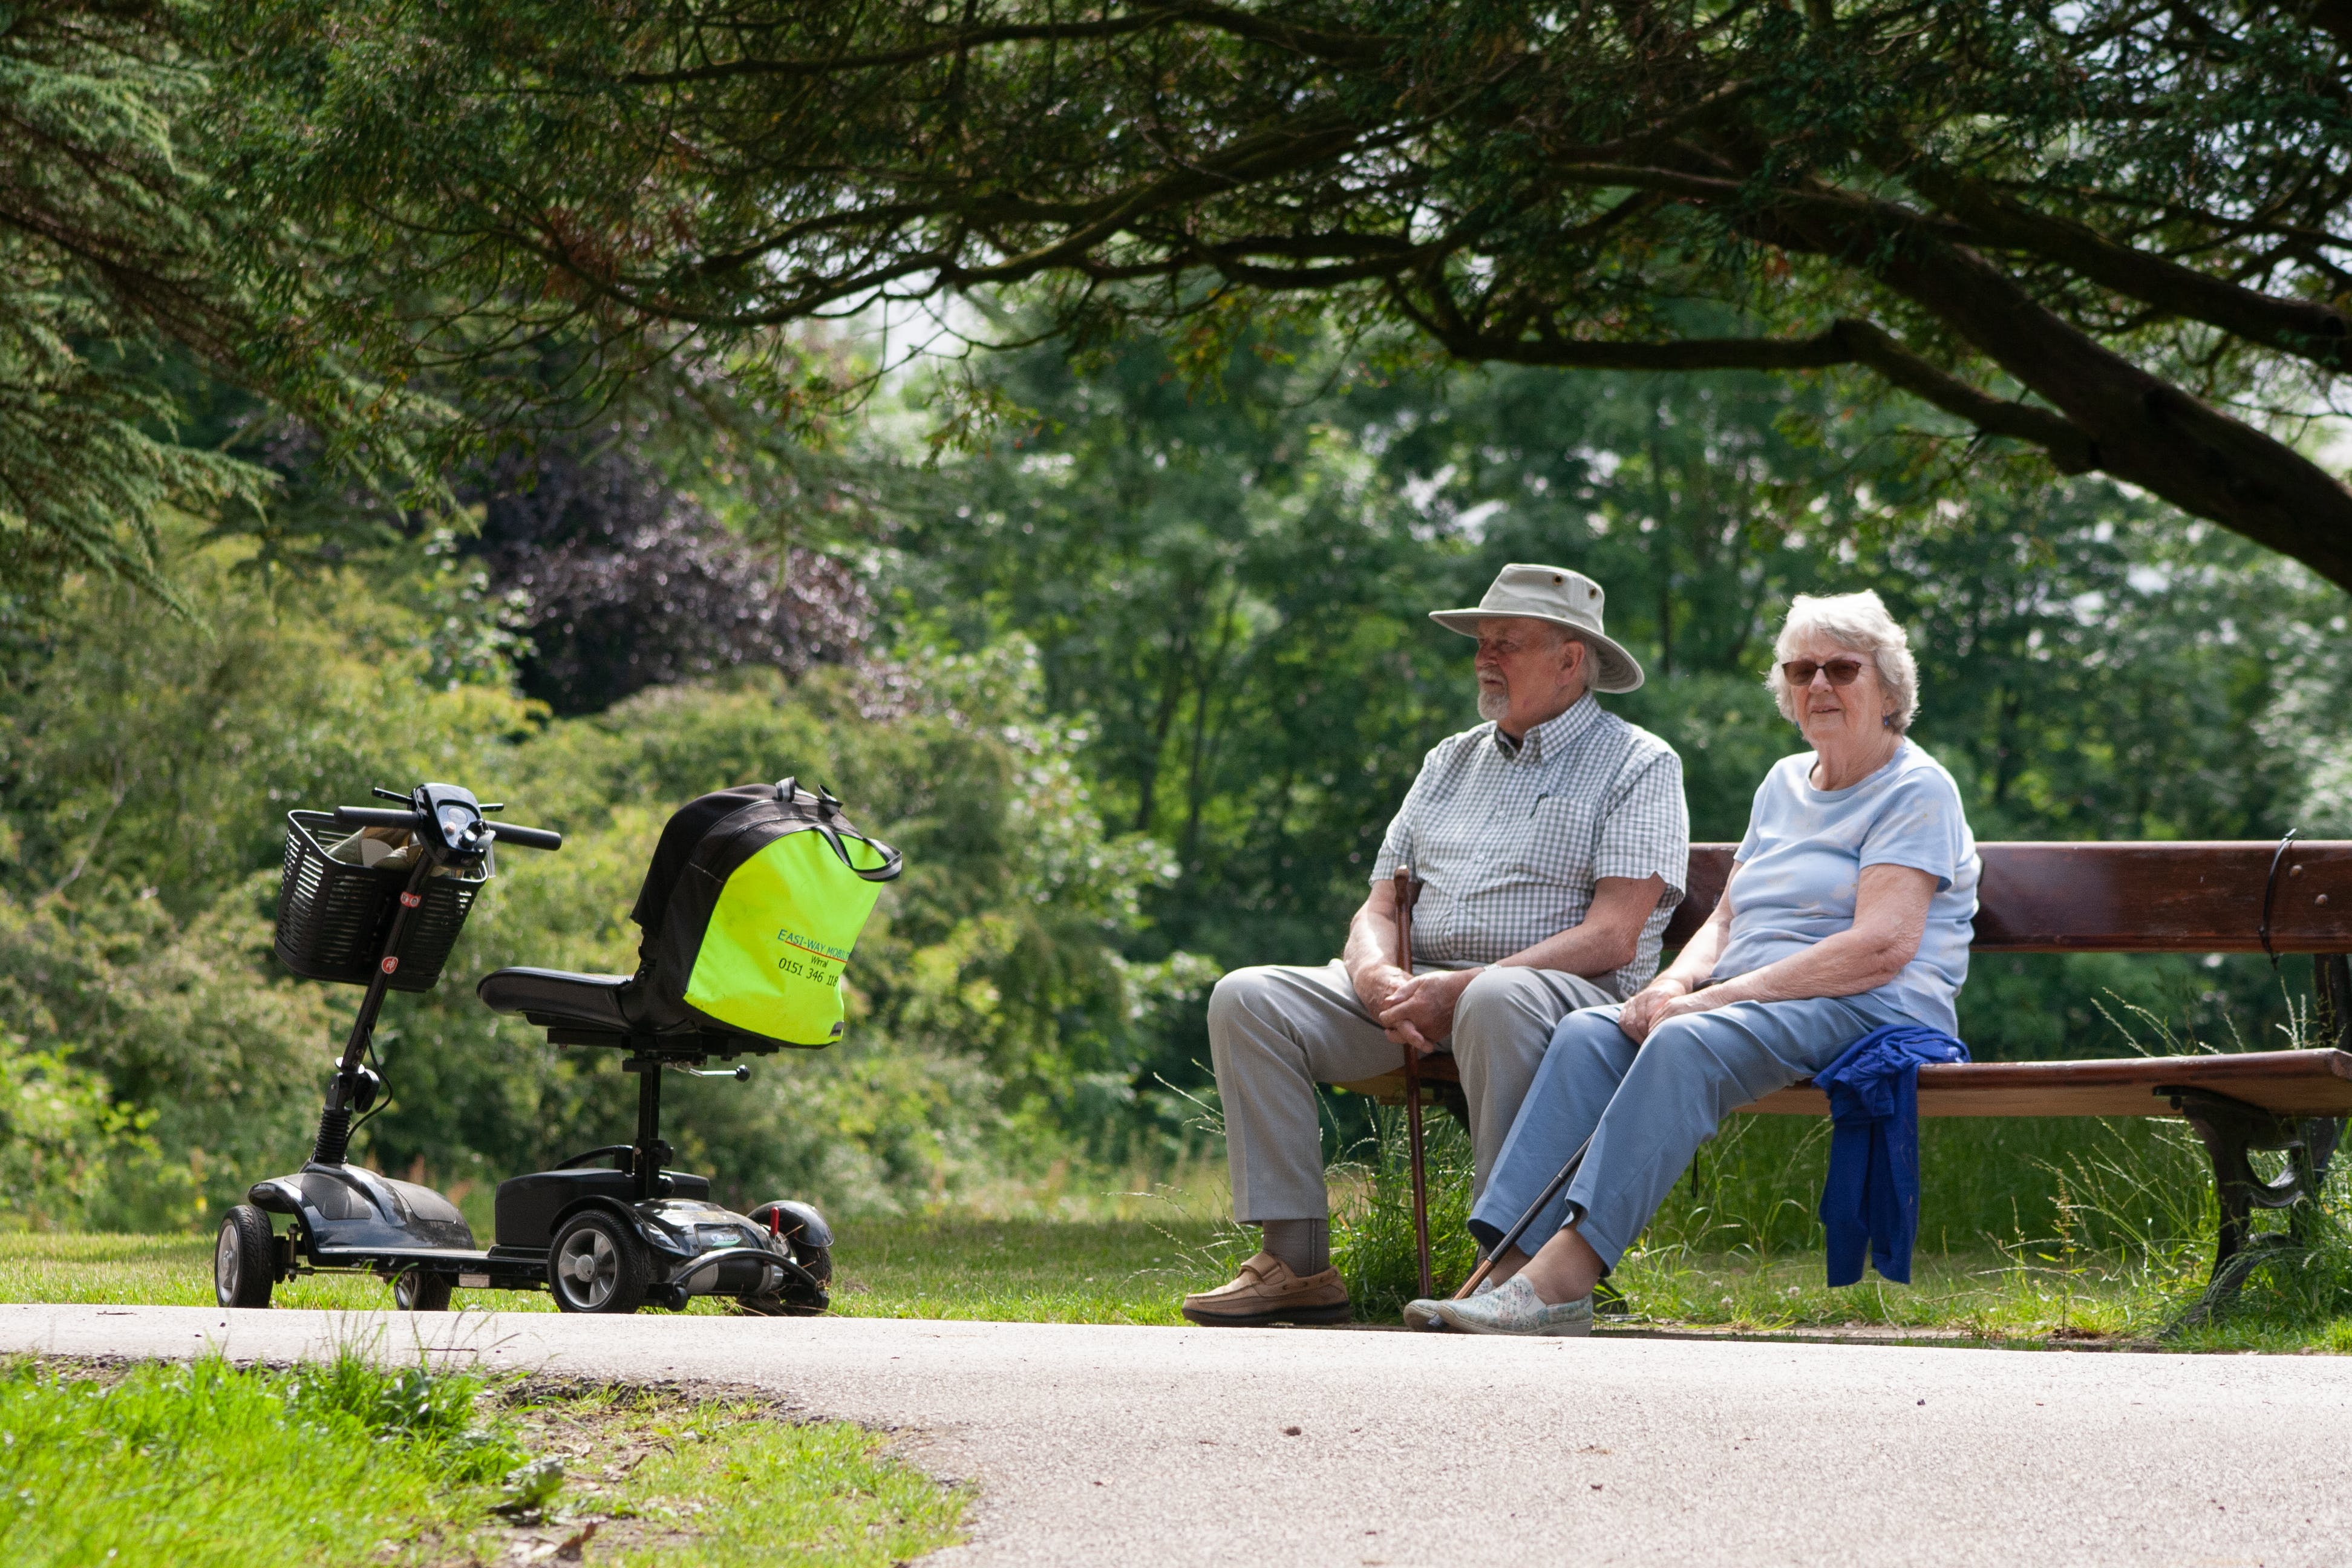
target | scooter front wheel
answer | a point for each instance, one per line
(420, 1290)
(245, 1263)
(598, 1265)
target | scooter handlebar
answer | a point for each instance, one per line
(417, 822)
(373, 817)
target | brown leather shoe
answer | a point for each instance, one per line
(1267, 1291)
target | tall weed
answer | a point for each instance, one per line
(1372, 1225)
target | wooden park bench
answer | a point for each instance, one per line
(2292, 897)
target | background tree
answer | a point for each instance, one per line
(2111, 233)
(1136, 666)
(114, 249)
(1146, 604)
(624, 581)
(1228, 591)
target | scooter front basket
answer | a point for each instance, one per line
(333, 916)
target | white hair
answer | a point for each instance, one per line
(1855, 621)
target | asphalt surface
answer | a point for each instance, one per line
(1095, 1444)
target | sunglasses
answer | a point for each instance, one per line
(1800, 672)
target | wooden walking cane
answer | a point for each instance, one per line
(1407, 889)
(1511, 1237)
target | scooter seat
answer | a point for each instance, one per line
(557, 998)
(616, 1007)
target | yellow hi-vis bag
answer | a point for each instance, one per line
(761, 924)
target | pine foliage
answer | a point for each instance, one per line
(113, 251)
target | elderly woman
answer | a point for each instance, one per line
(1849, 908)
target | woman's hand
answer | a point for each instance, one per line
(1676, 989)
(1660, 999)
(1640, 1015)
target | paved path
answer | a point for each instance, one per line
(1149, 1445)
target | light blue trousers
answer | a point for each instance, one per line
(1649, 1106)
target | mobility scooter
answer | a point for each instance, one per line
(755, 899)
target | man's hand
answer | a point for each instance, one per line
(1375, 984)
(1661, 999)
(1419, 1012)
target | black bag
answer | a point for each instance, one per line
(754, 899)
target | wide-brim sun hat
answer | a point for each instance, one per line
(1565, 598)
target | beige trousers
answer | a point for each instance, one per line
(1276, 1031)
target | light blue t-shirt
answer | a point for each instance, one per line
(1801, 866)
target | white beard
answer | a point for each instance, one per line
(1494, 703)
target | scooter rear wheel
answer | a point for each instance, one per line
(420, 1290)
(598, 1265)
(245, 1262)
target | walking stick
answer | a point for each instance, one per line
(1527, 1219)
(1406, 891)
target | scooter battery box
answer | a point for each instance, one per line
(527, 1206)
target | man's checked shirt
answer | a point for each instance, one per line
(1510, 843)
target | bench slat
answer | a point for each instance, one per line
(2289, 1083)
(2190, 897)
(2155, 898)
(1710, 868)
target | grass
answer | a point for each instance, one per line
(1108, 1272)
(1100, 1271)
(2035, 1233)
(1990, 1296)
(1372, 1220)
(2114, 1247)
(205, 1464)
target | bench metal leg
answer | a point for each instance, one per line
(2230, 1130)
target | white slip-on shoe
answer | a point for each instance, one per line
(1516, 1308)
(1423, 1313)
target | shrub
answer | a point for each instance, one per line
(995, 1026)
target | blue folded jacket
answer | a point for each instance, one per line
(1873, 1192)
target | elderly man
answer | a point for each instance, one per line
(1552, 841)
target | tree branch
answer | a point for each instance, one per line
(2312, 331)
(1334, 48)
(1846, 341)
(2144, 430)
(1677, 354)
(1820, 201)
(2071, 451)
(2333, 17)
